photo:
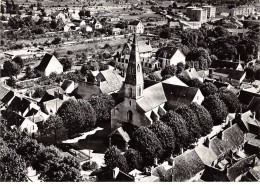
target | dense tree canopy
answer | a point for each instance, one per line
(11, 68)
(208, 89)
(169, 70)
(102, 104)
(204, 118)
(114, 158)
(134, 159)
(53, 124)
(230, 99)
(178, 125)
(12, 165)
(66, 63)
(145, 141)
(165, 135)
(192, 122)
(77, 115)
(216, 107)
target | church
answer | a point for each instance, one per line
(145, 102)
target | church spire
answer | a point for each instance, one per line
(134, 75)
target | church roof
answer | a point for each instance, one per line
(177, 95)
(153, 96)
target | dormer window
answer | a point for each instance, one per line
(138, 68)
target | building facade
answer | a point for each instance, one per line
(242, 10)
(211, 11)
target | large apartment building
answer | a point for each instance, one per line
(211, 11)
(242, 10)
(197, 14)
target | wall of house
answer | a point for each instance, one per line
(55, 67)
(177, 57)
(29, 126)
(198, 97)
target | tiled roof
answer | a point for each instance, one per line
(55, 90)
(113, 82)
(143, 46)
(135, 22)
(46, 60)
(186, 166)
(19, 104)
(3, 92)
(234, 136)
(15, 119)
(245, 97)
(53, 104)
(205, 154)
(153, 96)
(65, 84)
(240, 167)
(233, 74)
(7, 97)
(254, 106)
(166, 52)
(122, 133)
(174, 80)
(177, 95)
(218, 146)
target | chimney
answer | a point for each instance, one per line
(126, 145)
(230, 123)
(115, 172)
(206, 142)
(181, 150)
(155, 161)
(254, 113)
(219, 135)
(109, 141)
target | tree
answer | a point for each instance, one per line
(114, 158)
(169, 70)
(178, 126)
(77, 115)
(102, 104)
(66, 63)
(56, 40)
(166, 136)
(134, 159)
(53, 123)
(180, 67)
(11, 81)
(67, 35)
(45, 157)
(192, 122)
(216, 107)
(208, 89)
(165, 33)
(12, 165)
(29, 72)
(11, 68)
(28, 148)
(195, 82)
(230, 99)
(38, 92)
(65, 170)
(145, 141)
(204, 118)
(18, 60)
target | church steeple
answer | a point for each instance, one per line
(134, 81)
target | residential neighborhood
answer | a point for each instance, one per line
(130, 91)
